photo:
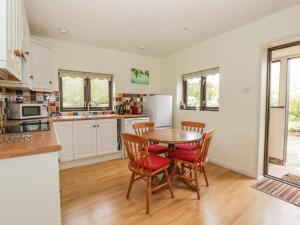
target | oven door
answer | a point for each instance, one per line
(31, 111)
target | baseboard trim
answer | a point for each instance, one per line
(233, 168)
(88, 161)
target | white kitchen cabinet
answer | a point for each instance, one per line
(40, 71)
(128, 128)
(12, 16)
(64, 131)
(127, 123)
(84, 139)
(30, 190)
(26, 51)
(106, 136)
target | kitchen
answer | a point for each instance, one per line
(141, 112)
(34, 131)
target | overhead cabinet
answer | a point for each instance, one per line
(13, 35)
(40, 69)
(24, 63)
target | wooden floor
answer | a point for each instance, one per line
(96, 195)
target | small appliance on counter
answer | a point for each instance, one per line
(27, 111)
(121, 109)
(136, 109)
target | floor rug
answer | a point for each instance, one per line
(279, 190)
(291, 178)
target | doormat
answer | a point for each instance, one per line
(279, 190)
(291, 178)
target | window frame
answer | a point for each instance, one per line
(87, 97)
(203, 106)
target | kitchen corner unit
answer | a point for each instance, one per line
(29, 174)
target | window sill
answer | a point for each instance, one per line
(85, 109)
(201, 110)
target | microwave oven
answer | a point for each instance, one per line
(28, 111)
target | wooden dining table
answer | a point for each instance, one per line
(172, 136)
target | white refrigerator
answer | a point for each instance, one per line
(160, 109)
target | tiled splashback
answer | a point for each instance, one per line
(53, 101)
(26, 96)
(129, 100)
(2, 105)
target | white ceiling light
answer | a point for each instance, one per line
(62, 30)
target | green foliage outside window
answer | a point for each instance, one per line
(73, 92)
(99, 93)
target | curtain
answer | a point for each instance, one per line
(202, 73)
(84, 75)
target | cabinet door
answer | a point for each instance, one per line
(84, 139)
(64, 131)
(106, 136)
(26, 51)
(128, 126)
(12, 38)
(18, 20)
(40, 67)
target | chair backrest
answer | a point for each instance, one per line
(142, 127)
(192, 126)
(137, 151)
(203, 150)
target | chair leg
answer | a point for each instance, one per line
(169, 182)
(182, 168)
(130, 184)
(197, 184)
(205, 176)
(149, 191)
(191, 174)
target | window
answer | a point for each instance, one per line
(80, 89)
(275, 82)
(201, 89)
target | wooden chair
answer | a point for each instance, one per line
(195, 160)
(141, 128)
(144, 165)
(191, 126)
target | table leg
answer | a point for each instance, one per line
(160, 178)
(171, 148)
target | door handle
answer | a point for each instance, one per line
(17, 53)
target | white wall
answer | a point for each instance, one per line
(72, 56)
(240, 54)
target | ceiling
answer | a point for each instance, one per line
(161, 26)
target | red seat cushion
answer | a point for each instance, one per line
(184, 154)
(157, 162)
(157, 149)
(187, 147)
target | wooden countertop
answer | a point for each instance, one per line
(95, 117)
(42, 142)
